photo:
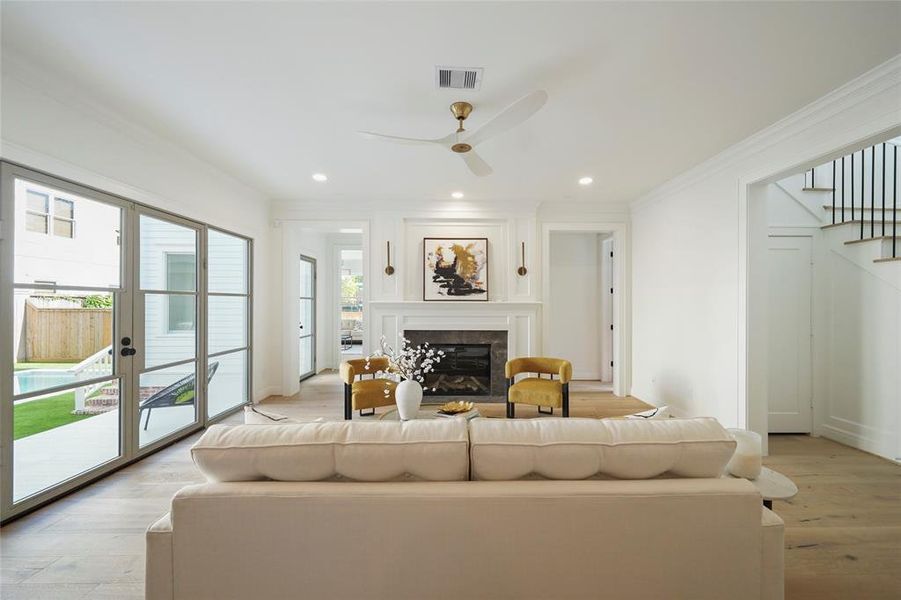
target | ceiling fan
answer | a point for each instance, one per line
(463, 142)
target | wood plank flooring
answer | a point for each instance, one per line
(843, 530)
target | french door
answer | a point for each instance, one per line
(165, 346)
(307, 321)
(106, 350)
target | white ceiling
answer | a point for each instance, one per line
(639, 92)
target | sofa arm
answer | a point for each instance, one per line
(159, 577)
(772, 560)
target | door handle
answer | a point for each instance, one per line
(128, 351)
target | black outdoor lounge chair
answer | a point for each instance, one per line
(180, 393)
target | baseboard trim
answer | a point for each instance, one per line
(848, 438)
(265, 392)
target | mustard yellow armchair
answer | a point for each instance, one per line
(361, 394)
(538, 391)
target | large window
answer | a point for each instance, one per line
(115, 341)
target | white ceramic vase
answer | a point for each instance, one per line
(408, 397)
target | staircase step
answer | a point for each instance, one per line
(857, 208)
(816, 189)
(878, 238)
(857, 222)
(889, 259)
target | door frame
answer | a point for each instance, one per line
(315, 334)
(812, 235)
(622, 362)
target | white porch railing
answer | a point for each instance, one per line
(96, 365)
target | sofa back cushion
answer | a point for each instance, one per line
(502, 450)
(429, 450)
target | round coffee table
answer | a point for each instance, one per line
(773, 485)
(427, 410)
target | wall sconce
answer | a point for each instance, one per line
(389, 270)
(521, 271)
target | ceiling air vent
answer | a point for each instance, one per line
(458, 78)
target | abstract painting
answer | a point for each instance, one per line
(455, 269)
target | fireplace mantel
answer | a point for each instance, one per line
(520, 319)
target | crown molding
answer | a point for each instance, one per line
(855, 92)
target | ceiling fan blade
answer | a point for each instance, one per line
(476, 164)
(510, 117)
(405, 140)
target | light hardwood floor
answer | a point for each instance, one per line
(843, 530)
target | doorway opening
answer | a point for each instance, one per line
(350, 274)
(823, 300)
(580, 312)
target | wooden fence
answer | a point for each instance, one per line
(65, 334)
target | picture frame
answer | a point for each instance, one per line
(455, 269)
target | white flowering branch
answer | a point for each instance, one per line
(410, 362)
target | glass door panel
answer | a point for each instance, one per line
(67, 306)
(228, 305)
(166, 314)
(307, 318)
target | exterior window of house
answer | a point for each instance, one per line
(63, 218)
(37, 211)
(39, 217)
(180, 273)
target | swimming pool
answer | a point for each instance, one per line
(32, 380)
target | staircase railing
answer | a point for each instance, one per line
(849, 187)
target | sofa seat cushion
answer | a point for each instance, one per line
(590, 448)
(429, 450)
(370, 393)
(538, 392)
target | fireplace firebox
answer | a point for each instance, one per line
(465, 370)
(472, 367)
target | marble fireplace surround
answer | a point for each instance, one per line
(519, 320)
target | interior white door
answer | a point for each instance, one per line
(790, 384)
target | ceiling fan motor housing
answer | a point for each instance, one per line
(461, 148)
(461, 110)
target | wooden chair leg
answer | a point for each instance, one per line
(565, 399)
(511, 411)
(348, 410)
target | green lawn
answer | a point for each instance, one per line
(23, 366)
(36, 416)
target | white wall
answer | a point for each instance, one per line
(574, 311)
(55, 126)
(698, 331)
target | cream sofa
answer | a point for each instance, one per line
(494, 509)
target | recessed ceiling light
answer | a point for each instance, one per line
(350, 230)
(320, 177)
(585, 181)
(457, 195)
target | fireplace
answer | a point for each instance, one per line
(465, 370)
(472, 367)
